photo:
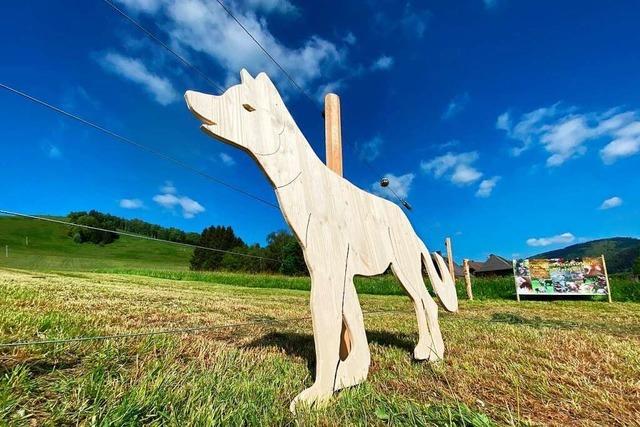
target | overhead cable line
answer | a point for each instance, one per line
(286, 73)
(137, 236)
(401, 200)
(138, 145)
(164, 45)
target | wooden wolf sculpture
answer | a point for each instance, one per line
(343, 230)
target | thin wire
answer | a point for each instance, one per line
(402, 201)
(164, 45)
(138, 236)
(551, 324)
(143, 147)
(286, 73)
(166, 331)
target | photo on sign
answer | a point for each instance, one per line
(581, 276)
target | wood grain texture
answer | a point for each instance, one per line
(343, 230)
(467, 279)
(333, 132)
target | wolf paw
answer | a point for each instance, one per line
(313, 396)
(428, 353)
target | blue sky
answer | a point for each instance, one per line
(512, 126)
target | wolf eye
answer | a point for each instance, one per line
(248, 107)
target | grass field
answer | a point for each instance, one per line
(50, 248)
(560, 363)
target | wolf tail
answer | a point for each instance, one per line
(442, 283)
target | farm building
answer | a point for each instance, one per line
(495, 265)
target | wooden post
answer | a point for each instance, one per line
(606, 277)
(333, 132)
(452, 271)
(26, 240)
(467, 279)
(6, 251)
(333, 135)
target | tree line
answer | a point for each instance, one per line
(282, 254)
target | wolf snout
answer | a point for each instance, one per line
(201, 105)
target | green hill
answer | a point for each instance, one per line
(619, 252)
(50, 248)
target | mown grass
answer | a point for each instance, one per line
(561, 363)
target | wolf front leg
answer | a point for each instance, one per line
(327, 298)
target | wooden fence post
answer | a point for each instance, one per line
(452, 271)
(333, 135)
(467, 279)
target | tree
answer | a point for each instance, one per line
(216, 237)
(284, 247)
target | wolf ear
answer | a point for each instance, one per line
(245, 77)
(264, 79)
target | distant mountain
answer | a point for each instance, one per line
(619, 252)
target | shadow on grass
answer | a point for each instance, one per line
(301, 345)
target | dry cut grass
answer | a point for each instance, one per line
(559, 363)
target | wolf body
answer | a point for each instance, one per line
(343, 230)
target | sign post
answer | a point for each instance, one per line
(606, 277)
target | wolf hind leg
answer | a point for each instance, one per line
(430, 345)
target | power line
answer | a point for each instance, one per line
(286, 73)
(397, 196)
(143, 147)
(164, 45)
(402, 201)
(137, 236)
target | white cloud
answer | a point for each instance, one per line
(504, 121)
(414, 21)
(626, 144)
(205, 27)
(612, 202)
(457, 168)
(486, 186)
(564, 134)
(227, 159)
(168, 187)
(54, 152)
(383, 63)
(280, 6)
(134, 70)
(401, 185)
(131, 203)
(456, 106)
(147, 6)
(190, 207)
(551, 240)
(370, 150)
(350, 38)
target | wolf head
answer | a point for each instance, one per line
(249, 115)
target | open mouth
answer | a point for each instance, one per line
(197, 103)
